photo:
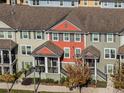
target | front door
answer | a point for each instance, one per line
(110, 68)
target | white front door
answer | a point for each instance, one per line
(110, 68)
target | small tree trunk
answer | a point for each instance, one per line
(79, 89)
(8, 87)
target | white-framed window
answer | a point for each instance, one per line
(39, 35)
(77, 52)
(85, 2)
(66, 37)
(109, 53)
(110, 37)
(55, 36)
(26, 65)
(77, 37)
(105, 3)
(26, 49)
(2, 35)
(96, 2)
(24, 35)
(117, 4)
(9, 34)
(52, 65)
(110, 68)
(95, 37)
(66, 52)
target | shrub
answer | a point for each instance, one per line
(7, 78)
(62, 80)
(27, 81)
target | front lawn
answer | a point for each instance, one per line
(24, 91)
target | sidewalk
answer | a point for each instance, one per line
(41, 87)
(61, 89)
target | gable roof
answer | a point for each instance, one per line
(90, 52)
(55, 50)
(7, 44)
(43, 18)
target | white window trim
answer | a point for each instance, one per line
(23, 35)
(110, 49)
(64, 37)
(75, 50)
(57, 36)
(86, 2)
(112, 38)
(38, 38)
(26, 50)
(4, 35)
(69, 52)
(96, 2)
(75, 38)
(93, 37)
(8, 37)
(108, 68)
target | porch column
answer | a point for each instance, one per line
(46, 65)
(33, 62)
(58, 65)
(10, 62)
(96, 70)
(2, 68)
(1, 56)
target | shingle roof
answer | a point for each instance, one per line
(42, 18)
(121, 50)
(51, 46)
(7, 44)
(90, 52)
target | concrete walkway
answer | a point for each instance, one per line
(61, 89)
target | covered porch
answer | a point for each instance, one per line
(91, 56)
(47, 59)
(8, 51)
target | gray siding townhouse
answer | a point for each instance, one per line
(92, 33)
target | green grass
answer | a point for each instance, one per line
(24, 91)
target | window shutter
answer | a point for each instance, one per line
(114, 37)
(100, 37)
(34, 35)
(91, 37)
(60, 36)
(21, 35)
(42, 35)
(71, 37)
(105, 37)
(29, 33)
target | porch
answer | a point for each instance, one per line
(47, 60)
(8, 51)
(91, 56)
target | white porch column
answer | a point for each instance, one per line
(46, 65)
(10, 62)
(95, 69)
(1, 56)
(58, 65)
(33, 62)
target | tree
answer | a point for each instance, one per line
(77, 75)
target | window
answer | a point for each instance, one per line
(2, 35)
(9, 35)
(52, 65)
(110, 37)
(72, 3)
(105, 4)
(66, 36)
(67, 52)
(35, 2)
(77, 52)
(61, 2)
(55, 36)
(95, 37)
(39, 35)
(25, 35)
(26, 50)
(117, 4)
(96, 2)
(109, 53)
(110, 68)
(26, 65)
(77, 37)
(85, 2)
(41, 63)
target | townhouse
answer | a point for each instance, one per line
(54, 37)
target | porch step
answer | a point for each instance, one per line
(102, 74)
(28, 72)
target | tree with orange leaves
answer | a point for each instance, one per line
(77, 75)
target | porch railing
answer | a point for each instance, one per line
(102, 74)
